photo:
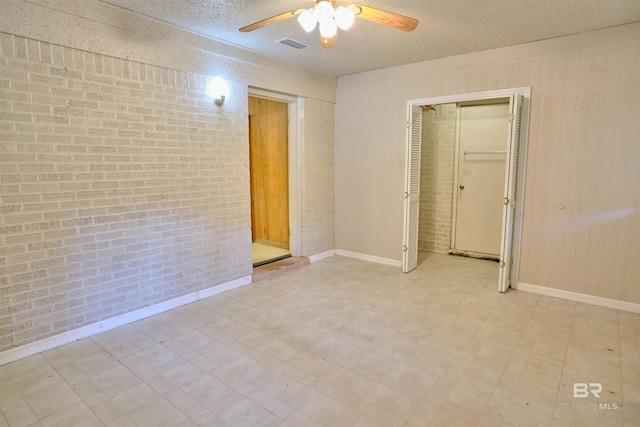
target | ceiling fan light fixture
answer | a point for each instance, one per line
(307, 20)
(344, 17)
(323, 11)
(324, 15)
(328, 28)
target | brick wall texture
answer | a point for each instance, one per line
(436, 178)
(318, 176)
(122, 186)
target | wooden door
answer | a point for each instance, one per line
(268, 144)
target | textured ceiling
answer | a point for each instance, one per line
(447, 27)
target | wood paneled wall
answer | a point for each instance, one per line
(581, 226)
(268, 142)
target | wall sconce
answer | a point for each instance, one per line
(218, 89)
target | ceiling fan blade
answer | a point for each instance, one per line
(383, 17)
(329, 43)
(272, 20)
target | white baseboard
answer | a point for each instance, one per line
(321, 256)
(30, 349)
(575, 296)
(370, 258)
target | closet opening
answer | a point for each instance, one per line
(465, 171)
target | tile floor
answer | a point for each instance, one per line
(343, 342)
(263, 252)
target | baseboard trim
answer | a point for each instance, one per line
(575, 296)
(321, 256)
(45, 344)
(370, 258)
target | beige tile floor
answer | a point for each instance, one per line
(262, 252)
(344, 342)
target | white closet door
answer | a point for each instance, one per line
(412, 190)
(510, 193)
(483, 137)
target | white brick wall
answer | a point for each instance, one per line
(121, 186)
(436, 178)
(318, 207)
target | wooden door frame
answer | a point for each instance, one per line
(487, 95)
(294, 145)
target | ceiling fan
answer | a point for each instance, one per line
(329, 16)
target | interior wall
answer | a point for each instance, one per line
(122, 185)
(581, 226)
(437, 159)
(318, 176)
(94, 26)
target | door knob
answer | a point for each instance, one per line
(461, 187)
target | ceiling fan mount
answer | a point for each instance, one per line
(329, 16)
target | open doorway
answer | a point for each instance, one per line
(270, 138)
(269, 172)
(456, 162)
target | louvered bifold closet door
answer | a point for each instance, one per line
(412, 190)
(510, 193)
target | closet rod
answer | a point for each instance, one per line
(484, 152)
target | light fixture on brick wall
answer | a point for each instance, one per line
(218, 89)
